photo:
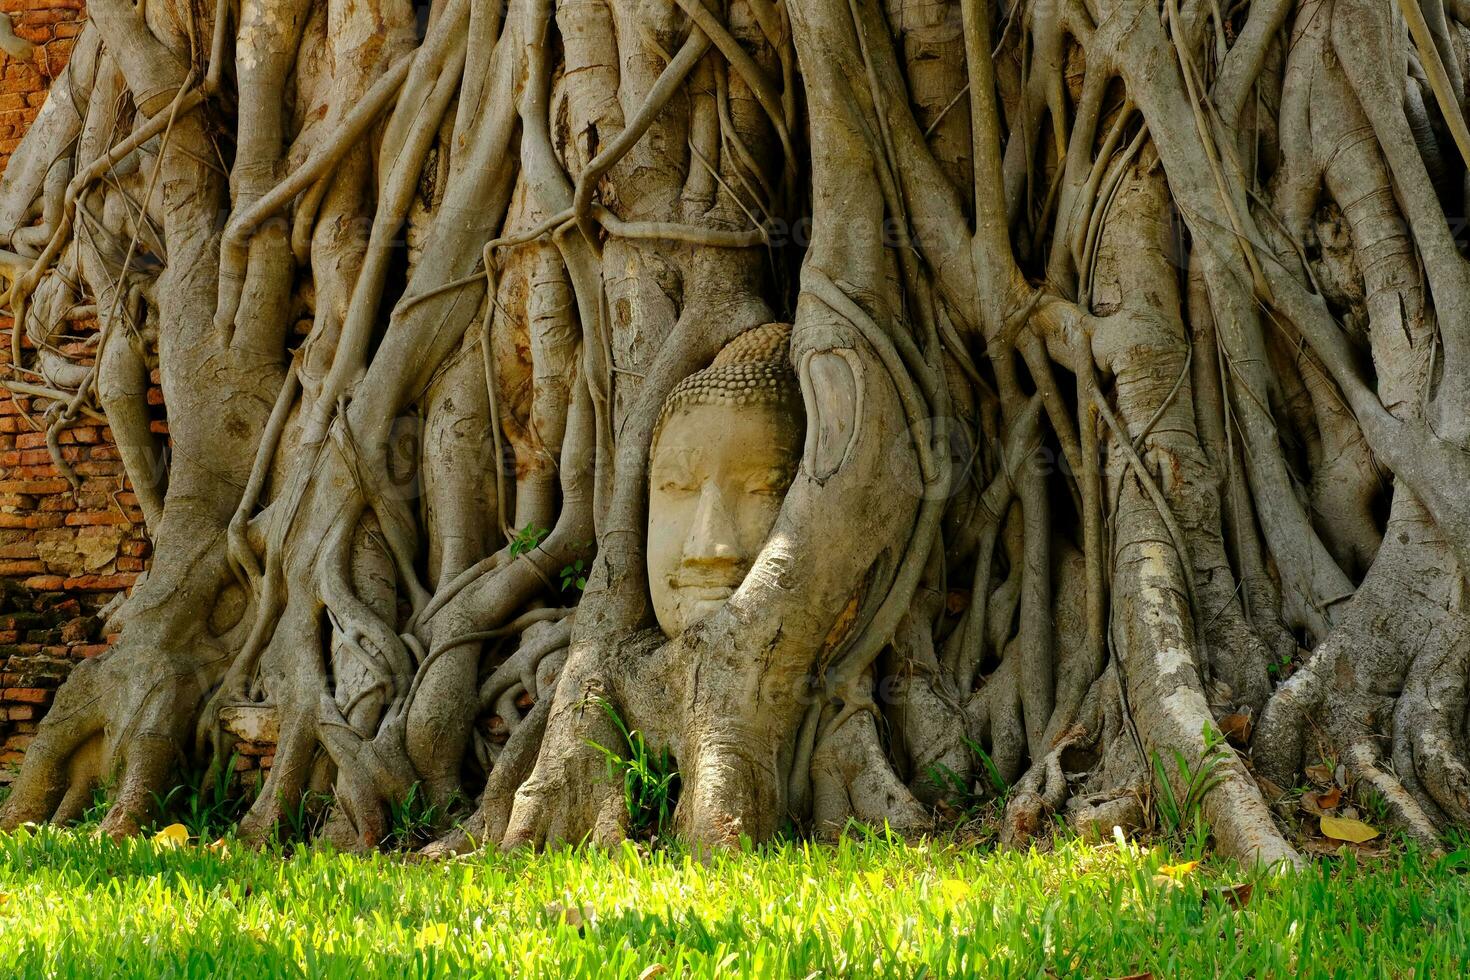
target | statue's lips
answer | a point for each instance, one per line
(706, 593)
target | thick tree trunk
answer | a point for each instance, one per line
(1126, 340)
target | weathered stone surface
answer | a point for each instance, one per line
(251, 722)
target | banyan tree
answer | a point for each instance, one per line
(857, 399)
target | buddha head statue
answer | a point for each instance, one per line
(725, 450)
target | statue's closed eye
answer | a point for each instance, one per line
(676, 482)
(675, 472)
(773, 482)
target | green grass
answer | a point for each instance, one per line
(73, 906)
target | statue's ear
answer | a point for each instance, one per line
(832, 388)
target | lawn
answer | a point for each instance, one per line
(72, 905)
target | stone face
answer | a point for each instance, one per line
(724, 453)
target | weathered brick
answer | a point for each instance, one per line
(105, 583)
(102, 517)
(34, 486)
(31, 520)
(11, 569)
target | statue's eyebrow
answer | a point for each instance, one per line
(784, 467)
(683, 458)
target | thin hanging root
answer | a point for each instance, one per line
(663, 92)
(970, 650)
(1022, 442)
(750, 73)
(1439, 79)
(492, 396)
(122, 390)
(1151, 487)
(1092, 532)
(235, 243)
(516, 626)
(441, 77)
(242, 555)
(186, 100)
(522, 665)
(53, 394)
(131, 427)
(656, 231)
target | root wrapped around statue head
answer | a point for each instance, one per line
(725, 450)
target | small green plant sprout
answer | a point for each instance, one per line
(971, 798)
(958, 793)
(411, 819)
(97, 809)
(650, 781)
(306, 819)
(998, 785)
(574, 575)
(1375, 806)
(1182, 817)
(206, 802)
(527, 539)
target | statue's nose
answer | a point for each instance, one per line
(713, 538)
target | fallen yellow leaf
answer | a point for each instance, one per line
(432, 934)
(1179, 870)
(954, 889)
(174, 835)
(1345, 828)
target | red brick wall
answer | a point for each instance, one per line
(64, 552)
(50, 25)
